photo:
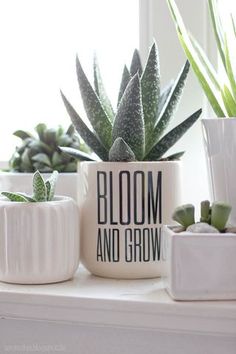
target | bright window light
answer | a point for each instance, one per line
(39, 41)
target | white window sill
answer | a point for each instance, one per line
(139, 304)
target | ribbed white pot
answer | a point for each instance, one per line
(39, 242)
(22, 182)
(220, 147)
(123, 206)
(199, 266)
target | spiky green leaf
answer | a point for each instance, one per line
(22, 134)
(129, 122)
(173, 157)
(229, 68)
(172, 137)
(39, 188)
(80, 155)
(89, 137)
(14, 197)
(121, 152)
(93, 107)
(229, 101)
(150, 86)
(70, 131)
(136, 64)
(101, 92)
(163, 97)
(126, 77)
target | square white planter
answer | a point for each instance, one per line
(199, 266)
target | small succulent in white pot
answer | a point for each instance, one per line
(39, 235)
(200, 261)
(129, 191)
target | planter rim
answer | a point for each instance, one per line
(220, 119)
(176, 162)
(195, 234)
(11, 173)
(58, 199)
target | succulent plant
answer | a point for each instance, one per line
(213, 217)
(43, 191)
(136, 130)
(43, 153)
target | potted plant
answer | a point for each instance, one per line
(127, 195)
(42, 153)
(38, 234)
(200, 261)
(219, 134)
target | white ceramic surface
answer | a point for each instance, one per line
(39, 241)
(220, 146)
(199, 266)
(22, 182)
(123, 206)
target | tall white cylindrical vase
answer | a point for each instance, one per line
(123, 206)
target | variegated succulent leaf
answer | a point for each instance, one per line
(101, 92)
(150, 85)
(121, 152)
(169, 107)
(39, 188)
(126, 77)
(136, 64)
(51, 185)
(93, 107)
(129, 122)
(80, 155)
(87, 135)
(163, 97)
(15, 197)
(165, 143)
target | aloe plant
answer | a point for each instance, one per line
(43, 191)
(221, 92)
(43, 153)
(135, 130)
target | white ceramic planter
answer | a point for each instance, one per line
(220, 147)
(199, 266)
(22, 182)
(123, 206)
(39, 241)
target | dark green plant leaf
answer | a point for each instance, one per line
(163, 97)
(169, 107)
(51, 185)
(126, 77)
(173, 157)
(25, 161)
(121, 152)
(39, 188)
(150, 85)
(57, 159)
(41, 167)
(71, 167)
(172, 137)
(101, 92)
(129, 123)
(28, 197)
(42, 158)
(89, 137)
(136, 64)
(77, 154)
(93, 107)
(40, 129)
(70, 131)
(14, 197)
(22, 134)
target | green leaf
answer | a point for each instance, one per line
(163, 97)
(40, 129)
(101, 92)
(41, 167)
(93, 107)
(173, 157)
(208, 86)
(22, 134)
(229, 68)
(129, 123)
(136, 64)
(57, 158)
(150, 86)
(70, 131)
(126, 77)
(169, 107)
(42, 158)
(77, 154)
(25, 161)
(172, 137)
(28, 197)
(14, 197)
(121, 152)
(51, 185)
(39, 188)
(229, 101)
(233, 24)
(71, 167)
(89, 137)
